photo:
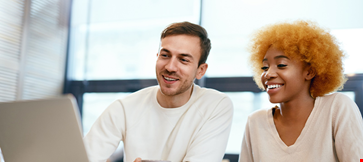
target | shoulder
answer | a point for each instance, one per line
(336, 100)
(335, 96)
(136, 100)
(139, 96)
(212, 96)
(142, 92)
(340, 106)
(259, 121)
(209, 94)
(210, 101)
(259, 114)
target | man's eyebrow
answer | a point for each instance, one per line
(186, 55)
(164, 49)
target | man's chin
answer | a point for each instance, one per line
(168, 91)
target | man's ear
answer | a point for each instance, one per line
(201, 70)
(311, 74)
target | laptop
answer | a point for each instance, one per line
(46, 130)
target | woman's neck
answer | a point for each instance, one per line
(297, 110)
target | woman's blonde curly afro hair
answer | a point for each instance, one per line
(306, 41)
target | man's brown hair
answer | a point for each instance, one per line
(191, 29)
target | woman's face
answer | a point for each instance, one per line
(284, 78)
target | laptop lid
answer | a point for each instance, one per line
(41, 131)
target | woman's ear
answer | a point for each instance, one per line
(311, 73)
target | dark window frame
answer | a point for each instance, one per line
(225, 84)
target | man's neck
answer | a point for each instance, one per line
(175, 100)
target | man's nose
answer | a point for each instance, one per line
(172, 66)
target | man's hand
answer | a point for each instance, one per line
(137, 160)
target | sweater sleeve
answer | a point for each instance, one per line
(106, 133)
(347, 129)
(246, 150)
(211, 140)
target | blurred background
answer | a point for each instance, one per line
(102, 50)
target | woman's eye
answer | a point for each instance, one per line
(281, 65)
(264, 68)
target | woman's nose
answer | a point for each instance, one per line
(270, 73)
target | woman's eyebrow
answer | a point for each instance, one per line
(277, 57)
(281, 56)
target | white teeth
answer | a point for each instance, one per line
(169, 79)
(273, 86)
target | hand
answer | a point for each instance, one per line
(137, 160)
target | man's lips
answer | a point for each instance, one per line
(169, 79)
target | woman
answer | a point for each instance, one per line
(300, 65)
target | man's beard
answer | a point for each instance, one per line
(184, 85)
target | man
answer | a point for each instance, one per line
(176, 120)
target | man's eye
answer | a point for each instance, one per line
(264, 68)
(163, 55)
(281, 65)
(184, 60)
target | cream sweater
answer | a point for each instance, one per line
(197, 131)
(333, 132)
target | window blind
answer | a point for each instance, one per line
(45, 51)
(11, 21)
(33, 43)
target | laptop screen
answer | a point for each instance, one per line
(41, 130)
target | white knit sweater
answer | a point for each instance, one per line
(197, 131)
(333, 132)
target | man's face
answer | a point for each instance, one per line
(177, 64)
